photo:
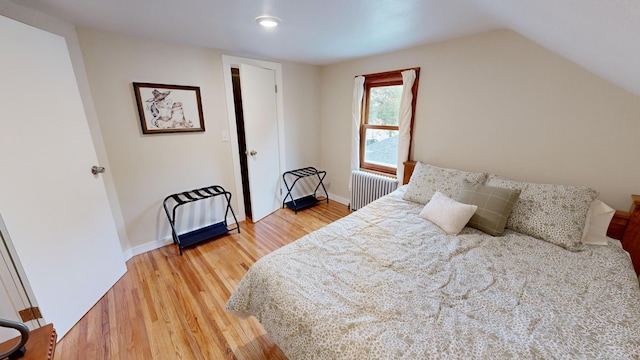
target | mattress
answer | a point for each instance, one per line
(383, 283)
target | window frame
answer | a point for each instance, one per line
(388, 78)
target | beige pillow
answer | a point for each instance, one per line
(448, 214)
(598, 219)
(427, 179)
(494, 206)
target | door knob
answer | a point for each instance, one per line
(95, 170)
(253, 153)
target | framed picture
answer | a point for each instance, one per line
(168, 108)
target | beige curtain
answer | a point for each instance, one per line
(404, 120)
(356, 107)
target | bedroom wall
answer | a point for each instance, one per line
(302, 114)
(146, 168)
(498, 102)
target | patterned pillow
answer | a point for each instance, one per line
(427, 179)
(495, 205)
(554, 213)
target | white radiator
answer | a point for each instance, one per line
(366, 187)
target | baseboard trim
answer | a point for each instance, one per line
(339, 199)
(141, 249)
(152, 245)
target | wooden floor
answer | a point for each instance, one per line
(172, 307)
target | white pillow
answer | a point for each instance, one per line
(448, 214)
(598, 218)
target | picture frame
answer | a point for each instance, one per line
(168, 108)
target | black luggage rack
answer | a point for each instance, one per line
(208, 232)
(305, 201)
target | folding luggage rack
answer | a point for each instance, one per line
(208, 232)
(305, 201)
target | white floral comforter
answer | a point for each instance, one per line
(382, 283)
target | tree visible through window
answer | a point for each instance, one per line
(379, 126)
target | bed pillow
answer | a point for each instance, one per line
(598, 218)
(494, 206)
(554, 213)
(448, 214)
(427, 179)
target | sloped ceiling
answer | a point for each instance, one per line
(602, 36)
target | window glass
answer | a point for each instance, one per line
(381, 147)
(384, 105)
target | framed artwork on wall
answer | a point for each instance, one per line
(168, 108)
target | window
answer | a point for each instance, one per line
(379, 128)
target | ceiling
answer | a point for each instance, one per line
(602, 36)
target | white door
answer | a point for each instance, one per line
(261, 132)
(8, 311)
(11, 294)
(55, 210)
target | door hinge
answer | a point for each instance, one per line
(280, 191)
(29, 314)
(276, 86)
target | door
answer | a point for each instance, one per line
(13, 298)
(261, 133)
(55, 210)
(8, 310)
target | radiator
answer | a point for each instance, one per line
(366, 187)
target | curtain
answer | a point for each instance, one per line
(356, 109)
(404, 121)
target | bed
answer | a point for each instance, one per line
(385, 283)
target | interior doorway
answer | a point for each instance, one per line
(257, 136)
(242, 141)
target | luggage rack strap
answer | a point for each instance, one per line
(304, 172)
(197, 194)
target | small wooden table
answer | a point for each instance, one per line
(41, 344)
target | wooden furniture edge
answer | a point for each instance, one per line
(631, 235)
(624, 226)
(408, 170)
(41, 343)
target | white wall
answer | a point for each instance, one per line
(146, 168)
(302, 130)
(500, 103)
(302, 94)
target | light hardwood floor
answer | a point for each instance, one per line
(172, 307)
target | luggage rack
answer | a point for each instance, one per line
(305, 201)
(208, 232)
